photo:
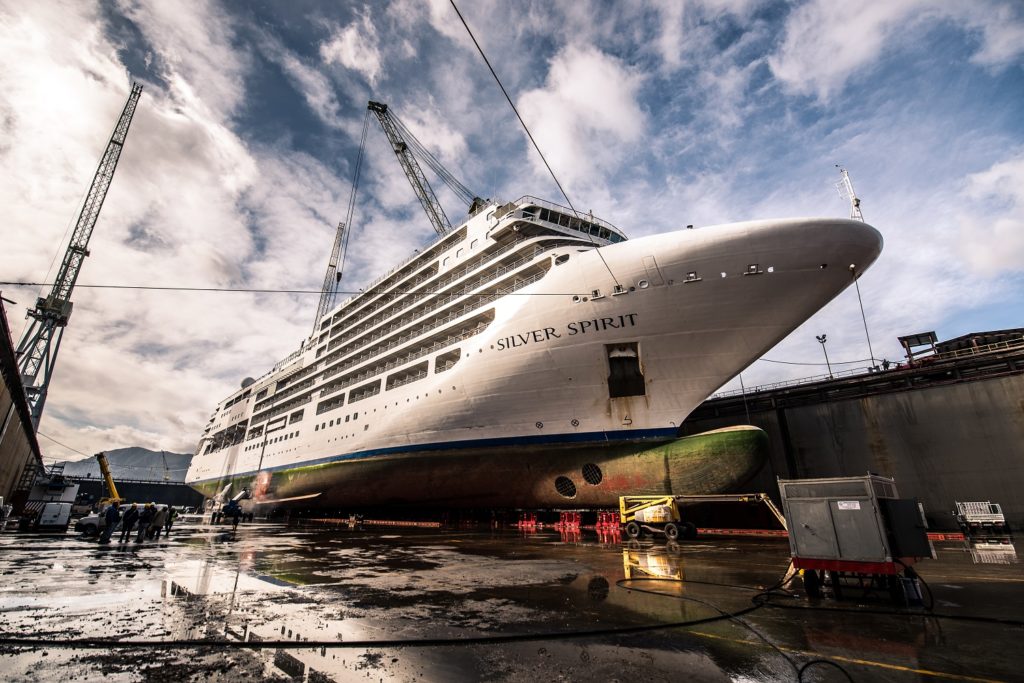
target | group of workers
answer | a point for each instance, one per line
(150, 519)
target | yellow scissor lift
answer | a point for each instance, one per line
(661, 515)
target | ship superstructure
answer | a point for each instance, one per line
(530, 357)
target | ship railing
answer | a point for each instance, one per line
(453, 237)
(383, 302)
(974, 350)
(543, 203)
(918, 362)
(285, 393)
(787, 383)
(371, 353)
(431, 325)
(483, 279)
(407, 380)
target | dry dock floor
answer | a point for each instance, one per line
(273, 602)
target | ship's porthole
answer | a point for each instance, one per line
(575, 422)
(592, 474)
(540, 425)
(643, 284)
(565, 487)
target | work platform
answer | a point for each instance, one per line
(273, 602)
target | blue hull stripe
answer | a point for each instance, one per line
(593, 437)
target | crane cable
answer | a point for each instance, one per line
(357, 172)
(425, 155)
(530, 135)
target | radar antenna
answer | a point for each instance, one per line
(37, 350)
(845, 187)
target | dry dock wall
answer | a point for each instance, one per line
(946, 432)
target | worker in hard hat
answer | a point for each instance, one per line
(159, 519)
(131, 516)
(145, 519)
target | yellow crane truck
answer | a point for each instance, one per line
(113, 496)
(661, 514)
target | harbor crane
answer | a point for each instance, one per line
(407, 148)
(37, 350)
(331, 279)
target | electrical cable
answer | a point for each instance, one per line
(38, 433)
(102, 643)
(689, 598)
(286, 291)
(528, 133)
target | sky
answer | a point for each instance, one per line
(654, 115)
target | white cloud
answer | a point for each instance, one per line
(586, 114)
(197, 41)
(191, 204)
(316, 89)
(992, 222)
(827, 42)
(355, 47)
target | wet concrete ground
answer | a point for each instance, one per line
(272, 602)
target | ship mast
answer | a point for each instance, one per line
(37, 350)
(845, 187)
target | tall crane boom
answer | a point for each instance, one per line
(331, 279)
(37, 350)
(412, 169)
(108, 479)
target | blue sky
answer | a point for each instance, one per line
(654, 115)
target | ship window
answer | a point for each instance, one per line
(316, 428)
(355, 416)
(643, 284)
(458, 254)
(472, 245)
(296, 416)
(331, 424)
(692, 276)
(771, 269)
(446, 260)
(347, 417)
(625, 376)
(560, 259)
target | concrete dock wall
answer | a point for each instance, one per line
(170, 493)
(944, 433)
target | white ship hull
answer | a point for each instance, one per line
(530, 397)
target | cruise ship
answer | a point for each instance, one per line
(530, 358)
